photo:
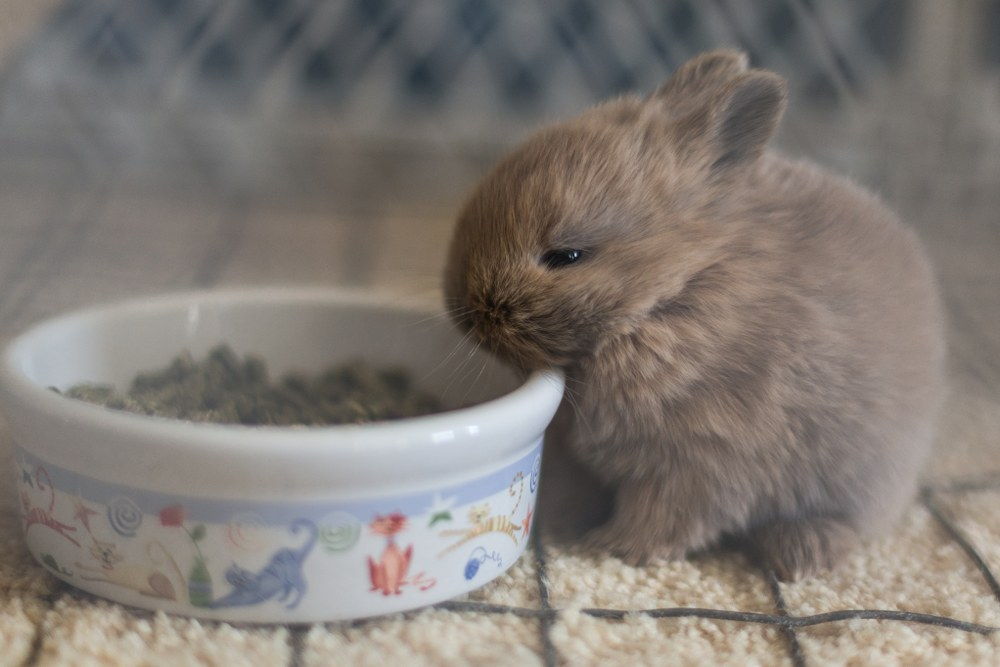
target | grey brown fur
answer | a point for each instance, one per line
(753, 346)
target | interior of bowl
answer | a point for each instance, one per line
(305, 331)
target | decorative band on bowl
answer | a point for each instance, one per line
(318, 558)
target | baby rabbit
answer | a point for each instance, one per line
(753, 347)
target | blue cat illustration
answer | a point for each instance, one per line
(281, 577)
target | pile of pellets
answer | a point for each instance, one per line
(224, 389)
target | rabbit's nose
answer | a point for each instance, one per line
(495, 310)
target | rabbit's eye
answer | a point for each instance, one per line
(555, 259)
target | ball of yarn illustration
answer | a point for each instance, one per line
(479, 556)
(339, 531)
(472, 567)
(244, 532)
(124, 516)
(536, 470)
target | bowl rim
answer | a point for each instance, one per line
(447, 432)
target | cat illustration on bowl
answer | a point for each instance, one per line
(388, 573)
(281, 578)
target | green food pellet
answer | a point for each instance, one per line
(225, 389)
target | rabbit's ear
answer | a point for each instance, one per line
(695, 82)
(744, 117)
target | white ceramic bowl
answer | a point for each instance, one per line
(272, 524)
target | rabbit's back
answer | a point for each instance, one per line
(869, 286)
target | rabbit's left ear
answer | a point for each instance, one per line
(697, 80)
(744, 117)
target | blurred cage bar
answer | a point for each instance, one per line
(279, 94)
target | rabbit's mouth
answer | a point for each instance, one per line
(525, 350)
(508, 344)
(517, 335)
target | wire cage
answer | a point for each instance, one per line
(266, 91)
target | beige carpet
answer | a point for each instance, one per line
(930, 579)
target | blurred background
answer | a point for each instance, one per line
(148, 145)
(270, 93)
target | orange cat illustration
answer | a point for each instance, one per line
(388, 573)
(481, 523)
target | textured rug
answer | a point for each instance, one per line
(926, 594)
